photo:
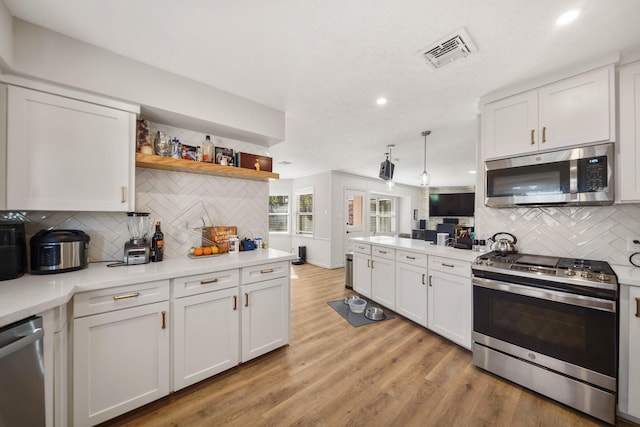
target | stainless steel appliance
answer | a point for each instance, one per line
(22, 374)
(137, 250)
(59, 251)
(549, 324)
(13, 250)
(578, 176)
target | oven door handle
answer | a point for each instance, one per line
(547, 294)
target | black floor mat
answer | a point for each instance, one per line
(358, 319)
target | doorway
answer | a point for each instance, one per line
(354, 216)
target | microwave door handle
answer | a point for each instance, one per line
(573, 176)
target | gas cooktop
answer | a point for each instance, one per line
(583, 272)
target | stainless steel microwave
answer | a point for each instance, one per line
(572, 177)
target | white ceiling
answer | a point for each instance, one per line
(326, 62)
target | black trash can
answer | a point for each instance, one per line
(348, 270)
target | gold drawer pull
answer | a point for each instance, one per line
(122, 193)
(125, 296)
(411, 257)
(544, 134)
(637, 307)
(246, 299)
(270, 270)
(164, 320)
(448, 265)
(383, 252)
(423, 276)
(235, 303)
(533, 141)
(207, 282)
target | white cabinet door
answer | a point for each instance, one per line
(628, 183)
(362, 274)
(68, 155)
(576, 110)
(634, 351)
(510, 125)
(383, 282)
(120, 362)
(449, 313)
(205, 335)
(411, 292)
(265, 317)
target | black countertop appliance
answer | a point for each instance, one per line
(13, 250)
(58, 251)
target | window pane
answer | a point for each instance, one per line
(305, 203)
(305, 224)
(278, 204)
(385, 225)
(278, 223)
(386, 206)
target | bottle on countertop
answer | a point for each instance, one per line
(234, 244)
(157, 244)
(207, 150)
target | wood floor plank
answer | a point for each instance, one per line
(392, 373)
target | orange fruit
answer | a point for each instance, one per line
(206, 250)
(198, 251)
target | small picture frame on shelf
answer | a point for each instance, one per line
(224, 156)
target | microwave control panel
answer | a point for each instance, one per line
(592, 174)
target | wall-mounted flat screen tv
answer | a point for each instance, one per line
(453, 204)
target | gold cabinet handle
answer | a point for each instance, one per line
(368, 263)
(164, 320)
(423, 277)
(430, 285)
(637, 307)
(246, 299)
(448, 265)
(125, 296)
(411, 257)
(544, 134)
(208, 282)
(270, 270)
(383, 252)
(235, 303)
(533, 139)
(371, 263)
(122, 194)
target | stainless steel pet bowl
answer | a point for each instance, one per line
(374, 313)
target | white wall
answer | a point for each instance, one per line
(6, 37)
(165, 97)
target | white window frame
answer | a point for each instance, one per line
(287, 214)
(374, 217)
(296, 196)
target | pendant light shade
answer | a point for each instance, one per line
(424, 176)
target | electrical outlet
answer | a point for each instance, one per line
(633, 244)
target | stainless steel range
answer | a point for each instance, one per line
(549, 324)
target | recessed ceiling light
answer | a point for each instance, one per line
(567, 17)
(472, 171)
(381, 101)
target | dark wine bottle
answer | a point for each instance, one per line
(157, 244)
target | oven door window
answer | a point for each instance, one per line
(578, 335)
(534, 180)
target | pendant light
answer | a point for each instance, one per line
(424, 176)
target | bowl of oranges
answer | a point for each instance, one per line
(204, 251)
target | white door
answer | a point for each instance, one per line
(411, 292)
(354, 207)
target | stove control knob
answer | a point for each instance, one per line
(478, 261)
(569, 272)
(603, 277)
(489, 262)
(586, 275)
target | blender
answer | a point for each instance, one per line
(136, 250)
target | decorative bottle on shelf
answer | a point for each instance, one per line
(157, 244)
(207, 150)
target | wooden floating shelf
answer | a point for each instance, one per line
(152, 161)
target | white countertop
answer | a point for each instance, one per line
(420, 246)
(32, 294)
(627, 274)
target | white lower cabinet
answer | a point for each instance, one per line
(205, 340)
(362, 269)
(629, 375)
(383, 279)
(120, 350)
(265, 317)
(411, 286)
(449, 299)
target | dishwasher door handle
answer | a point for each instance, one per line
(21, 343)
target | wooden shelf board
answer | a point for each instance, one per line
(171, 164)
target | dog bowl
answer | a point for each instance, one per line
(347, 299)
(357, 305)
(374, 313)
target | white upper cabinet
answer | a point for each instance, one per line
(628, 155)
(67, 154)
(574, 111)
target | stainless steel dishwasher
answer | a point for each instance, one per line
(22, 374)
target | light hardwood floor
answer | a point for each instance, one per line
(392, 373)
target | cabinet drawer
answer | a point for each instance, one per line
(382, 252)
(103, 300)
(258, 273)
(362, 248)
(412, 258)
(201, 283)
(451, 266)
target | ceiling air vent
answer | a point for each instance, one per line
(448, 49)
